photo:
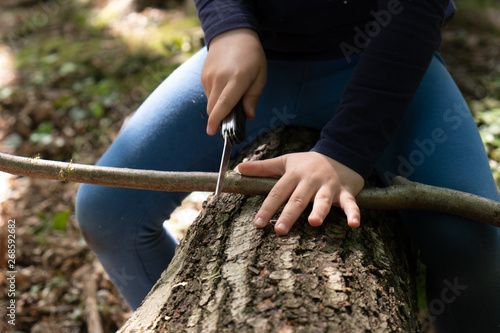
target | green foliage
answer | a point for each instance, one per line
(477, 4)
(55, 281)
(99, 73)
(60, 220)
(48, 222)
(488, 122)
(42, 134)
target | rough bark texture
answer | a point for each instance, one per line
(228, 276)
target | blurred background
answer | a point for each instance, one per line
(72, 71)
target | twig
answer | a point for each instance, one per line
(404, 194)
(94, 324)
(131, 178)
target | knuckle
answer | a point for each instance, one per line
(287, 217)
(223, 101)
(349, 204)
(275, 194)
(326, 198)
(322, 207)
(298, 201)
(239, 73)
(205, 77)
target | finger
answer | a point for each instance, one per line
(226, 101)
(251, 97)
(350, 208)
(212, 93)
(249, 105)
(321, 207)
(273, 167)
(276, 197)
(295, 206)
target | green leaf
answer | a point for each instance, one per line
(489, 117)
(60, 220)
(45, 127)
(96, 109)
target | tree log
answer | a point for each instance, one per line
(228, 276)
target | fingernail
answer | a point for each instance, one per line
(281, 227)
(260, 223)
(237, 170)
(251, 113)
(212, 130)
(316, 216)
(354, 223)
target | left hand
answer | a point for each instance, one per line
(306, 177)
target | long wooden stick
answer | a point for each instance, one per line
(404, 194)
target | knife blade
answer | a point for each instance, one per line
(232, 131)
(226, 153)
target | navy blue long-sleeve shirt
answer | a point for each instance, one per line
(395, 41)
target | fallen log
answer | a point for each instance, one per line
(228, 276)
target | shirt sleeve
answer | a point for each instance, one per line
(217, 16)
(398, 46)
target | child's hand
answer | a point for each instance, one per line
(306, 177)
(235, 67)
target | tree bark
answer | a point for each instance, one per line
(228, 276)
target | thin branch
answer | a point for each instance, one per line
(94, 322)
(404, 194)
(132, 178)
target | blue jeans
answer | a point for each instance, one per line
(437, 143)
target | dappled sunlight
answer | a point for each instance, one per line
(72, 71)
(157, 30)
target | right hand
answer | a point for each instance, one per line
(235, 68)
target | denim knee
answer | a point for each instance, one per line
(98, 216)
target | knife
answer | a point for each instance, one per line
(232, 131)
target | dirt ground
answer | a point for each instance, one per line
(59, 284)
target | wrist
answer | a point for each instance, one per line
(244, 34)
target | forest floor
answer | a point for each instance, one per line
(71, 72)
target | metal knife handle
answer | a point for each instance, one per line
(234, 125)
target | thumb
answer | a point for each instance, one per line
(273, 167)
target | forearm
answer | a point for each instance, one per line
(218, 16)
(388, 74)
